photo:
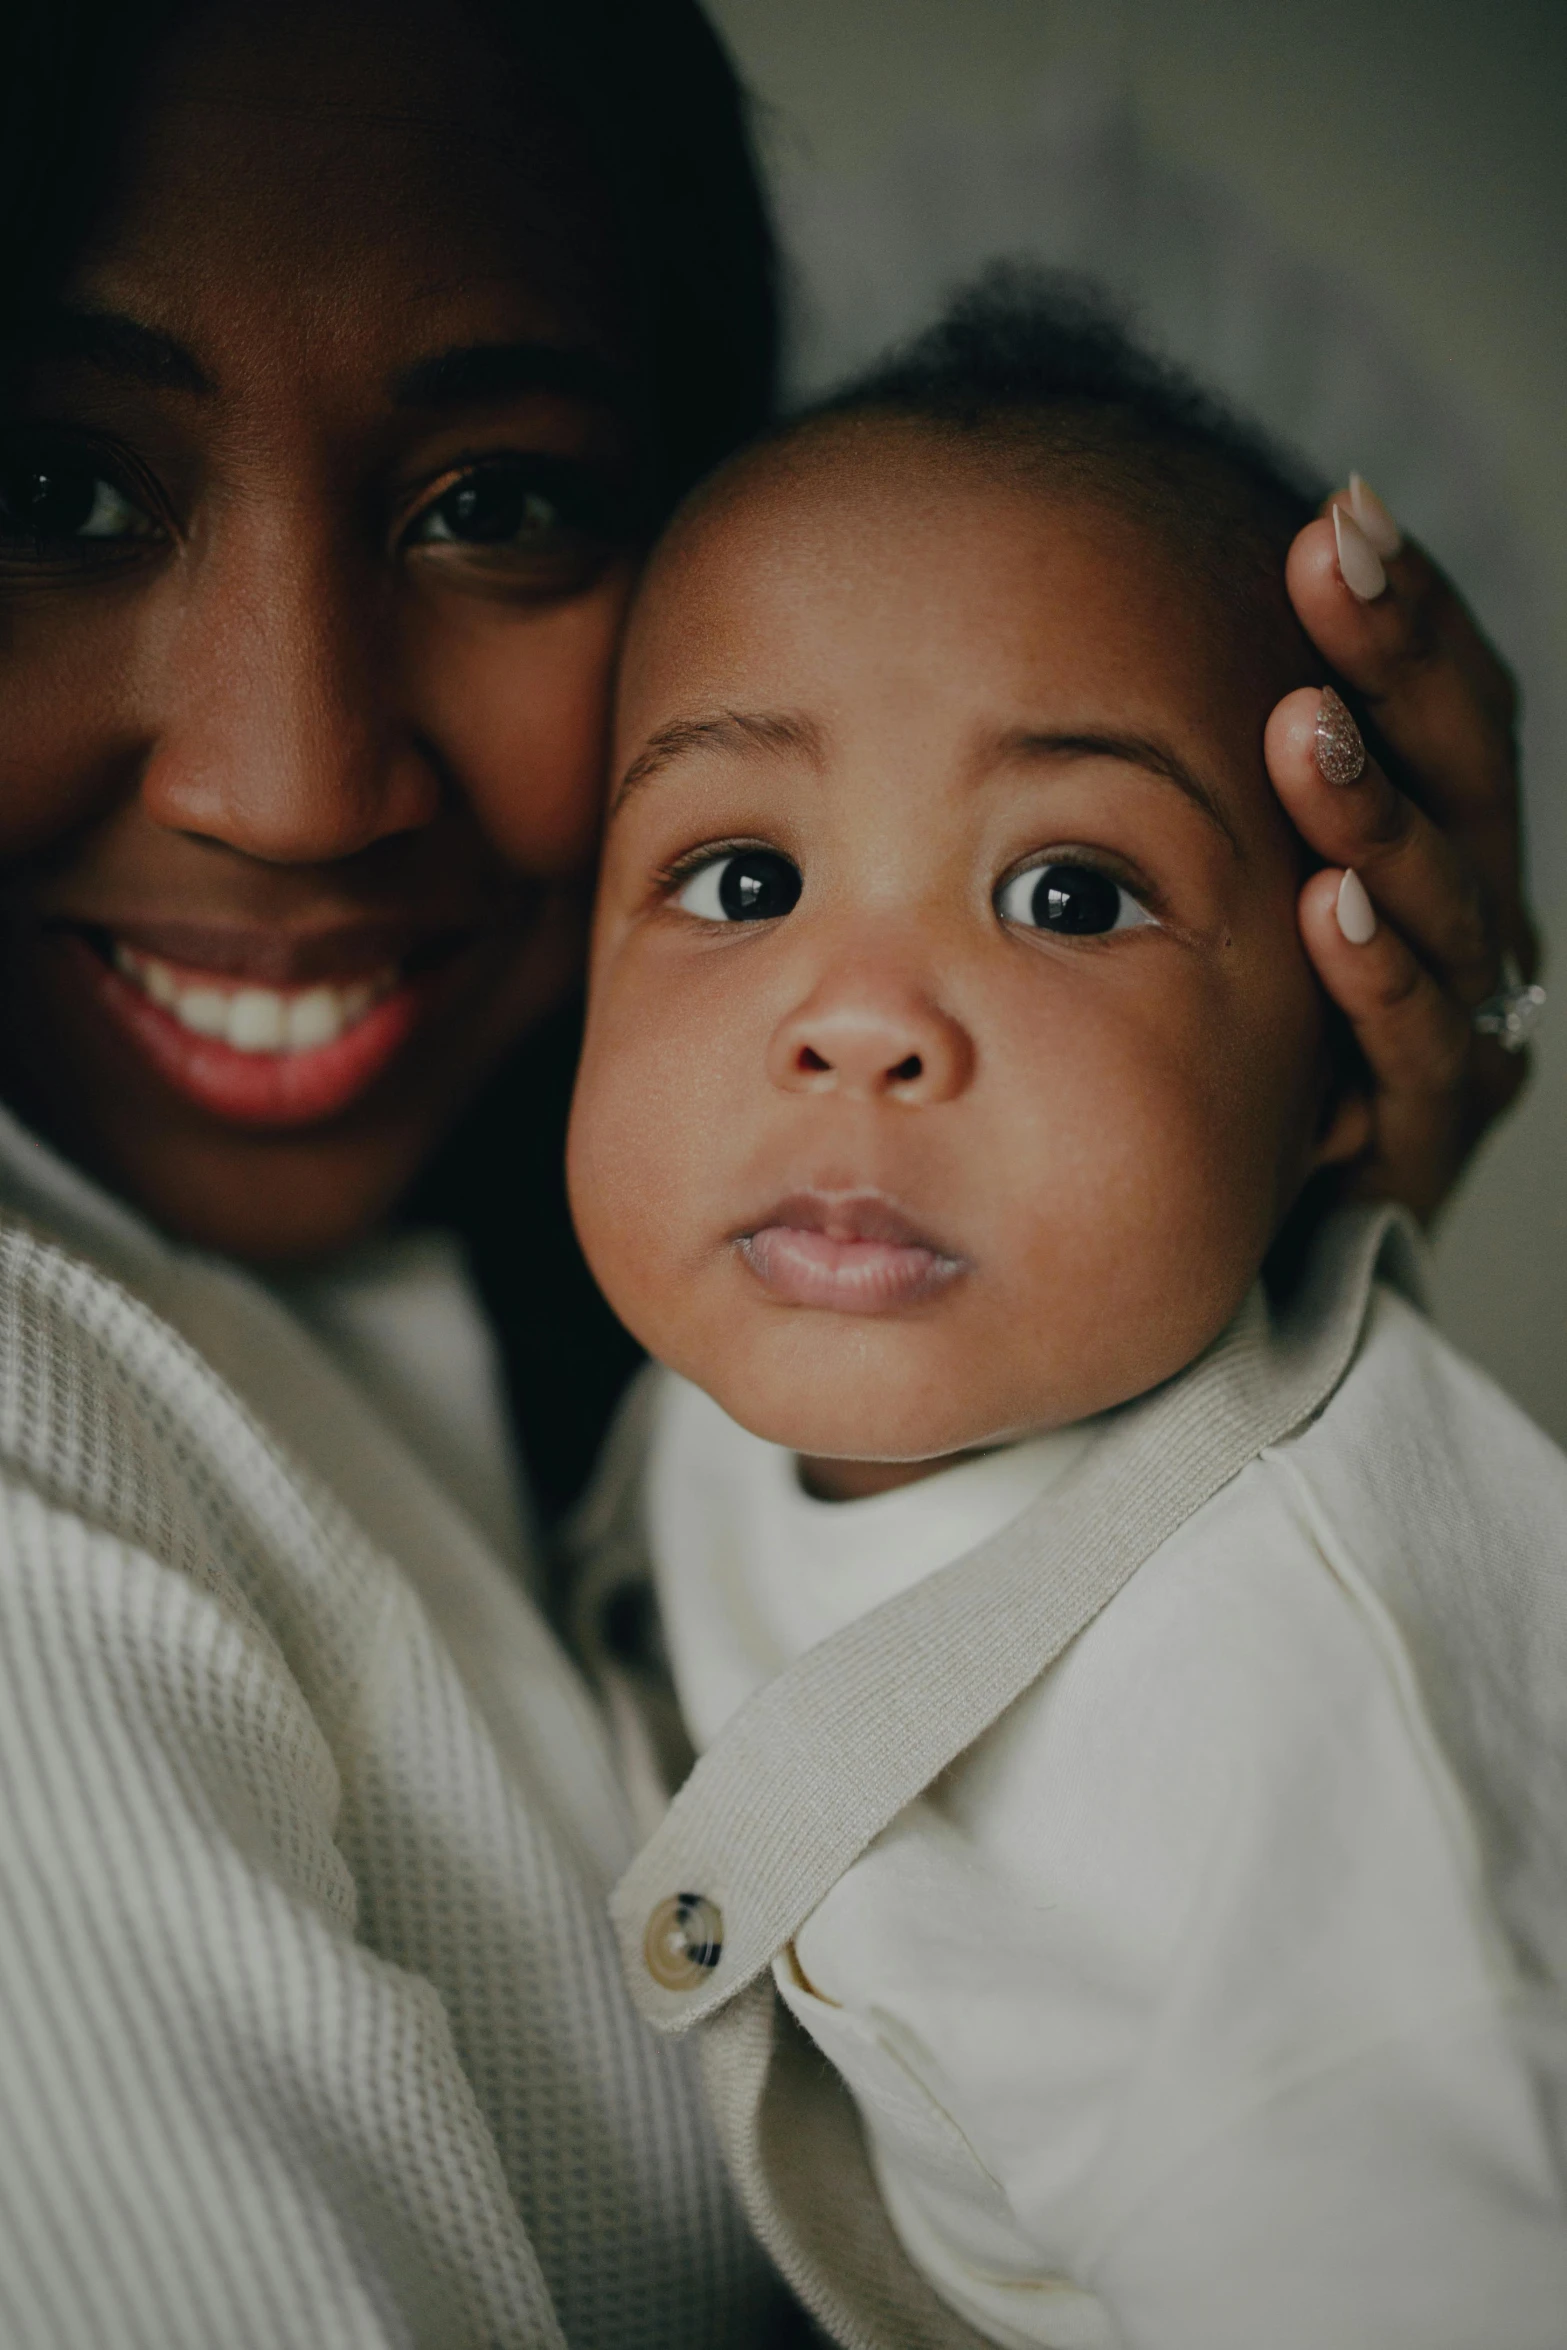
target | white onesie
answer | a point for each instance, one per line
(1179, 2011)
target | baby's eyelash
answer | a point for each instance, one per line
(667, 878)
(1136, 884)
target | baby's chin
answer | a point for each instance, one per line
(975, 1364)
(833, 1412)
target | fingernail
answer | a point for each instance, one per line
(1341, 755)
(1357, 917)
(1373, 517)
(1360, 566)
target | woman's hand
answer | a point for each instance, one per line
(1443, 877)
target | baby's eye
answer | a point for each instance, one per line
(1074, 901)
(742, 885)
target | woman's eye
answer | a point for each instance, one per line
(1074, 901)
(744, 885)
(491, 509)
(51, 503)
(541, 525)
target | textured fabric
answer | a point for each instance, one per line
(311, 2029)
(399, 1315)
(1214, 1994)
(752, 1570)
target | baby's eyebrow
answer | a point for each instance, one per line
(1135, 750)
(771, 732)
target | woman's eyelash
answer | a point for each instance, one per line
(77, 494)
(584, 497)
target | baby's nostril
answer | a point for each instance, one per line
(810, 1058)
(907, 1070)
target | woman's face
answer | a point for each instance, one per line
(312, 566)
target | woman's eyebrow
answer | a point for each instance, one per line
(1134, 750)
(498, 371)
(117, 345)
(772, 733)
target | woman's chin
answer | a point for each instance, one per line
(274, 1200)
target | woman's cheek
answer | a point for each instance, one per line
(517, 709)
(70, 742)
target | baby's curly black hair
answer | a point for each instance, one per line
(1044, 364)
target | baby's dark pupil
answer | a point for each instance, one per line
(757, 885)
(49, 500)
(489, 508)
(1075, 898)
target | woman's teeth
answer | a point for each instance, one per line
(255, 1019)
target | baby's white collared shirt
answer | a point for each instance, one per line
(758, 1571)
(1179, 2011)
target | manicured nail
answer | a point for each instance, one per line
(1341, 755)
(1360, 566)
(1357, 917)
(1373, 517)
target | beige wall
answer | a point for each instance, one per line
(1418, 147)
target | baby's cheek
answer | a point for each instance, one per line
(1143, 1231)
(647, 1138)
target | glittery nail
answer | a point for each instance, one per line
(1341, 755)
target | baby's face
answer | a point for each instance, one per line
(952, 1054)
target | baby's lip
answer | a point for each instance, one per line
(850, 1252)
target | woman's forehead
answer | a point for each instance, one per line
(404, 63)
(333, 158)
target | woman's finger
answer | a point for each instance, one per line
(1416, 877)
(1436, 692)
(1419, 1047)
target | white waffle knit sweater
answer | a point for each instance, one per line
(311, 2030)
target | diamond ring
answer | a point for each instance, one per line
(1511, 1014)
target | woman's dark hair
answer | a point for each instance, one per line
(647, 82)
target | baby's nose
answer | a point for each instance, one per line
(910, 1052)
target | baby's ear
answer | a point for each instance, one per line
(1345, 1131)
(1346, 1119)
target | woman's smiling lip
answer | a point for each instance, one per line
(288, 1050)
(850, 1252)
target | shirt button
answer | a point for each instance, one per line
(684, 1941)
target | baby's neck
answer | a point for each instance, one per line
(830, 1480)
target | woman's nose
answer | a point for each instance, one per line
(872, 1040)
(278, 732)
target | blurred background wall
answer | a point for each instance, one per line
(1352, 214)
